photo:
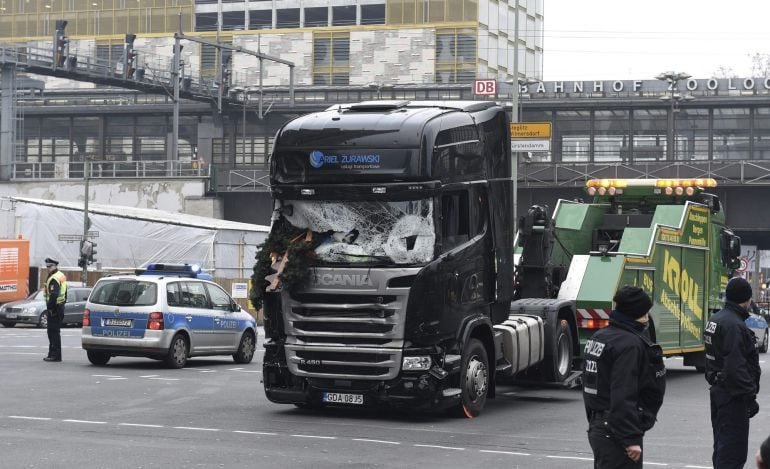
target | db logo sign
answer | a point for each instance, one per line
(485, 87)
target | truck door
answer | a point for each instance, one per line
(466, 268)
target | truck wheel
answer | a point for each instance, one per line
(558, 365)
(474, 379)
(9, 324)
(177, 353)
(246, 349)
(98, 358)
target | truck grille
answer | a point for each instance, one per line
(347, 332)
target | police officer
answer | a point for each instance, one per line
(732, 370)
(55, 297)
(623, 382)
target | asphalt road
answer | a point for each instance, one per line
(134, 413)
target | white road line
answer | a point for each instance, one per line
(646, 463)
(200, 370)
(248, 371)
(570, 457)
(441, 447)
(23, 417)
(118, 378)
(166, 379)
(143, 425)
(512, 453)
(84, 421)
(254, 433)
(198, 428)
(235, 369)
(149, 376)
(107, 376)
(316, 436)
(365, 440)
(19, 353)
(699, 467)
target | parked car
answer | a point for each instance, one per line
(30, 310)
(168, 312)
(759, 327)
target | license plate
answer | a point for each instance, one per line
(340, 398)
(11, 316)
(117, 322)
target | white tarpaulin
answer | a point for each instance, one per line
(127, 238)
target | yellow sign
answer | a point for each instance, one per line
(531, 130)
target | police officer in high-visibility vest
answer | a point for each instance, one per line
(624, 380)
(732, 370)
(55, 297)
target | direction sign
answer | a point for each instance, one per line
(486, 87)
(76, 237)
(530, 145)
(538, 130)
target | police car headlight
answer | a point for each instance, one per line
(416, 363)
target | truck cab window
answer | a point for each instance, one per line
(454, 220)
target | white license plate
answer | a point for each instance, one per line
(340, 398)
(117, 322)
(11, 316)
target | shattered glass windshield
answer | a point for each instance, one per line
(366, 232)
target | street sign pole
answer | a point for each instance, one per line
(86, 223)
(515, 116)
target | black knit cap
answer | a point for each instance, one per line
(764, 451)
(632, 301)
(738, 290)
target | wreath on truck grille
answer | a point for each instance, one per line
(283, 261)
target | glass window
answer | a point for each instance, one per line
(331, 58)
(219, 299)
(731, 134)
(194, 295)
(205, 21)
(373, 14)
(455, 55)
(344, 15)
(611, 139)
(692, 134)
(287, 18)
(316, 16)
(233, 21)
(573, 131)
(122, 292)
(261, 19)
(454, 220)
(762, 133)
(174, 294)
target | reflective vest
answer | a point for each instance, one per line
(61, 279)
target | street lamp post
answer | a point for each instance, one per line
(674, 97)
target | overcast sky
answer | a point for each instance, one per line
(626, 39)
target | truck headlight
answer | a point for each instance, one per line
(416, 363)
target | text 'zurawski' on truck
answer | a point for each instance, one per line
(388, 277)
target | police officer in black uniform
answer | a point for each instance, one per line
(55, 297)
(732, 370)
(623, 382)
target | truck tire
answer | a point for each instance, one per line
(474, 379)
(557, 366)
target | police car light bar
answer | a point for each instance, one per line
(181, 270)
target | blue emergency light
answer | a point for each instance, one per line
(179, 270)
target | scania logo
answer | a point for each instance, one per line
(343, 280)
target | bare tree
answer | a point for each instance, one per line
(724, 72)
(760, 65)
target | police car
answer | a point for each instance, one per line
(166, 312)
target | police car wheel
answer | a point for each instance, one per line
(246, 349)
(474, 379)
(98, 358)
(177, 353)
(9, 324)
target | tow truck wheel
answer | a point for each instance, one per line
(474, 379)
(98, 358)
(246, 349)
(177, 353)
(558, 366)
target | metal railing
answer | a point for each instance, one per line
(726, 173)
(164, 169)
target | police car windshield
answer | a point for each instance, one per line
(124, 292)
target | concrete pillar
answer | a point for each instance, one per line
(7, 120)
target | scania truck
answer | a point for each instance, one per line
(394, 273)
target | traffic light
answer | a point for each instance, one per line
(226, 70)
(87, 252)
(91, 257)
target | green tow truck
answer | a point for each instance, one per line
(666, 236)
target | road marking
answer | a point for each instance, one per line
(377, 441)
(198, 428)
(570, 457)
(84, 421)
(166, 379)
(441, 447)
(254, 433)
(316, 436)
(144, 425)
(200, 370)
(655, 463)
(512, 453)
(699, 467)
(149, 376)
(20, 353)
(116, 378)
(107, 376)
(23, 417)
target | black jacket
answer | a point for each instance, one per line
(732, 361)
(625, 378)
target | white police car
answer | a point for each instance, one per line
(167, 312)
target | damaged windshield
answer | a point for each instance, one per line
(368, 232)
